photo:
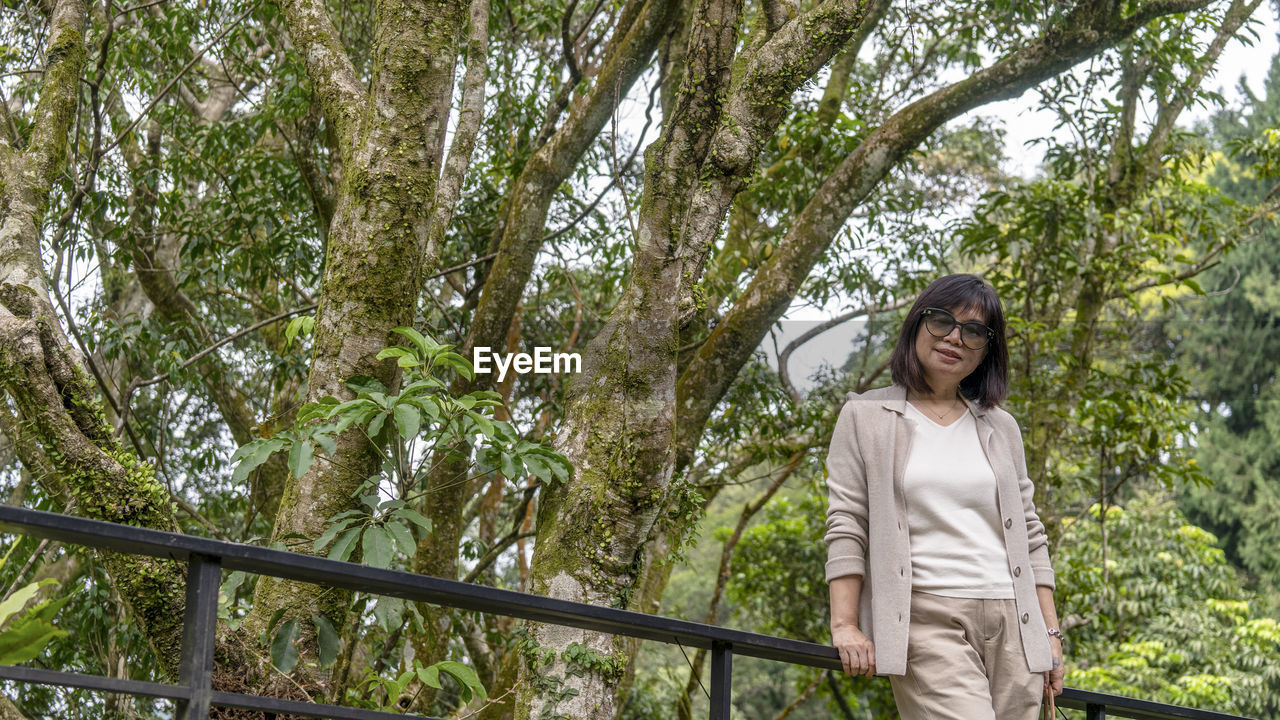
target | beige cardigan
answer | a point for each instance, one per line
(867, 520)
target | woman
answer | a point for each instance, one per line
(937, 563)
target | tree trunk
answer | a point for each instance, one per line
(392, 141)
(63, 428)
(622, 410)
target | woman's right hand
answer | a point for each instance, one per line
(857, 652)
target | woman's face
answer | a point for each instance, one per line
(945, 360)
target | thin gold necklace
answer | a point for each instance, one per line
(942, 416)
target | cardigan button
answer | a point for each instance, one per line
(1017, 572)
(1025, 618)
(1008, 523)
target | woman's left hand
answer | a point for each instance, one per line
(1053, 678)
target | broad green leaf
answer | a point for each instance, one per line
(414, 517)
(536, 466)
(227, 592)
(559, 465)
(466, 677)
(47, 609)
(326, 443)
(330, 533)
(396, 352)
(26, 639)
(375, 425)
(458, 363)
(511, 467)
(328, 640)
(376, 545)
(341, 549)
(19, 598)
(483, 423)
(430, 676)
(408, 420)
(284, 653)
(300, 457)
(417, 338)
(251, 455)
(402, 537)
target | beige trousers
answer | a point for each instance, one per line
(965, 662)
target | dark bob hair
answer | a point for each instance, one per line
(989, 383)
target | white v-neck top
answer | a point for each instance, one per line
(957, 548)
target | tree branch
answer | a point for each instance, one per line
(1158, 140)
(55, 111)
(731, 343)
(330, 70)
(464, 138)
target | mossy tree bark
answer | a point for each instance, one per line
(640, 26)
(61, 427)
(622, 409)
(391, 141)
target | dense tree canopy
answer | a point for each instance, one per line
(252, 254)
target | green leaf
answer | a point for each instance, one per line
(328, 640)
(536, 466)
(427, 405)
(511, 467)
(560, 465)
(483, 423)
(430, 676)
(376, 545)
(403, 538)
(330, 533)
(375, 425)
(302, 324)
(458, 363)
(341, 549)
(227, 592)
(251, 455)
(47, 609)
(466, 677)
(414, 517)
(19, 598)
(326, 443)
(408, 420)
(300, 457)
(417, 338)
(26, 639)
(284, 653)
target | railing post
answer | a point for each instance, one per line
(199, 633)
(721, 679)
(1095, 712)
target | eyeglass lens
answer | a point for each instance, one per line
(972, 334)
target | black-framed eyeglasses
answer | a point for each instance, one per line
(973, 335)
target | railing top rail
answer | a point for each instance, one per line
(467, 596)
(410, 586)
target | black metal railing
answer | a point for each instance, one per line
(207, 559)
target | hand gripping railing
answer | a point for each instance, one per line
(206, 559)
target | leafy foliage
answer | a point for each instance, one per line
(1160, 614)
